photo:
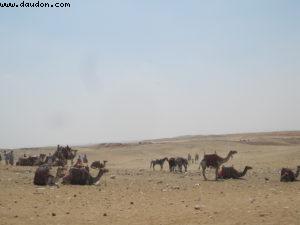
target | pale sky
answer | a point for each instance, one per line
(128, 70)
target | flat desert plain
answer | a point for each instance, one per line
(132, 193)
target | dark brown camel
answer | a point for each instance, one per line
(81, 176)
(232, 173)
(214, 161)
(287, 175)
(31, 160)
(43, 177)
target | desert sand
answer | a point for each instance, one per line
(131, 193)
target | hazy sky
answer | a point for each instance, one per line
(128, 70)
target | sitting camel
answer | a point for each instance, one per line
(43, 177)
(158, 162)
(287, 175)
(81, 176)
(214, 161)
(232, 173)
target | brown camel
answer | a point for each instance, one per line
(31, 160)
(81, 176)
(232, 173)
(43, 177)
(214, 161)
(287, 175)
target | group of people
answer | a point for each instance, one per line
(8, 157)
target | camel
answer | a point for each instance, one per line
(43, 177)
(232, 173)
(31, 160)
(158, 162)
(287, 175)
(98, 164)
(81, 176)
(214, 161)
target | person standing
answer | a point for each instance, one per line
(6, 157)
(11, 158)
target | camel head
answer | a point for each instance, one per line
(248, 168)
(231, 153)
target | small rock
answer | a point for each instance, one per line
(74, 196)
(113, 177)
(104, 214)
(164, 190)
(197, 207)
(131, 203)
(176, 187)
(53, 214)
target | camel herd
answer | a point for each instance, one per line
(215, 161)
(79, 174)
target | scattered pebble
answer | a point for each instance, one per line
(197, 207)
(53, 214)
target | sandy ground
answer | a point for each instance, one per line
(140, 196)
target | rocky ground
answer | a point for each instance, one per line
(131, 193)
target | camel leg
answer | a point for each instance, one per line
(203, 173)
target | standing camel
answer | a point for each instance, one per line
(214, 161)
